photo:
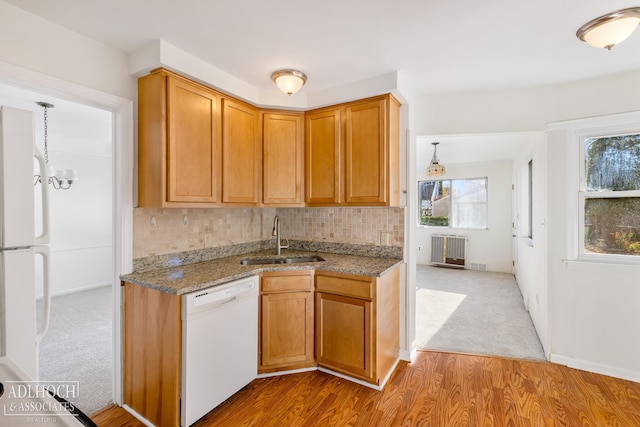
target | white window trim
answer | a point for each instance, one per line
(602, 132)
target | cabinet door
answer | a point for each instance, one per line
(286, 329)
(241, 162)
(366, 153)
(323, 157)
(193, 143)
(343, 334)
(283, 159)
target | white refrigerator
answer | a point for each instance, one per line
(20, 248)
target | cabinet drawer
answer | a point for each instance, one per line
(354, 286)
(288, 281)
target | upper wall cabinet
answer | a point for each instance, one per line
(179, 134)
(283, 159)
(323, 156)
(200, 148)
(353, 154)
(241, 153)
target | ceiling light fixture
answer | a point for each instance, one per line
(435, 168)
(59, 179)
(289, 81)
(608, 30)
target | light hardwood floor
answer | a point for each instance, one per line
(437, 389)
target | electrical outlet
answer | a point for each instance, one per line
(208, 240)
(419, 248)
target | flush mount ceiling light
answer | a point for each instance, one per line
(289, 81)
(608, 30)
(435, 168)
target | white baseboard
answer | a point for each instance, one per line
(74, 290)
(364, 383)
(406, 355)
(596, 368)
(291, 371)
(139, 417)
(348, 378)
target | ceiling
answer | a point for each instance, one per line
(435, 46)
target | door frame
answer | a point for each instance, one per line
(123, 166)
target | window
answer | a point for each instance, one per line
(610, 196)
(456, 203)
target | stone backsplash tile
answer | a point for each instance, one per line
(218, 227)
(362, 225)
(222, 227)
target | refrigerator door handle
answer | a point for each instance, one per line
(46, 290)
(43, 238)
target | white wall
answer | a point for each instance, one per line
(529, 109)
(39, 45)
(593, 309)
(491, 246)
(81, 225)
(530, 257)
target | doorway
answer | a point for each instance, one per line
(122, 125)
(79, 343)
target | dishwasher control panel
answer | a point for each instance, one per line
(218, 296)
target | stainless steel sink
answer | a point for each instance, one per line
(289, 260)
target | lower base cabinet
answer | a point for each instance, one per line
(152, 354)
(357, 324)
(286, 321)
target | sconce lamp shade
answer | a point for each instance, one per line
(609, 30)
(289, 81)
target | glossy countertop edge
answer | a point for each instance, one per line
(193, 277)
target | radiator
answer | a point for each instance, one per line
(449, 250)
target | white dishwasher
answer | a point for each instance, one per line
(219, 345)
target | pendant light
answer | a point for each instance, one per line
(435, 168)
(608, 30)
(59, 179)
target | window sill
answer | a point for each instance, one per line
(587, 264)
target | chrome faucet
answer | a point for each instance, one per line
(276, 232)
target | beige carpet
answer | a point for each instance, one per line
(78, 346)
(475, 312)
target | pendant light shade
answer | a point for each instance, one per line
(289, 81)
(608, 30)
(435, 168)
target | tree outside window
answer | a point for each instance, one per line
(611, 197)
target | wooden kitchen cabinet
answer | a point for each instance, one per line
(241, 153)
(152, 354)
(323, 157)
(283, 159)
(179, 137)
(286, 321)
(353, 154)
(357, 324)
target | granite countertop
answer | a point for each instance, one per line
(192, 277)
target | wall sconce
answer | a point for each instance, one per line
(435, 168)
(59, 179)
(608, 30)
(289, 81)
